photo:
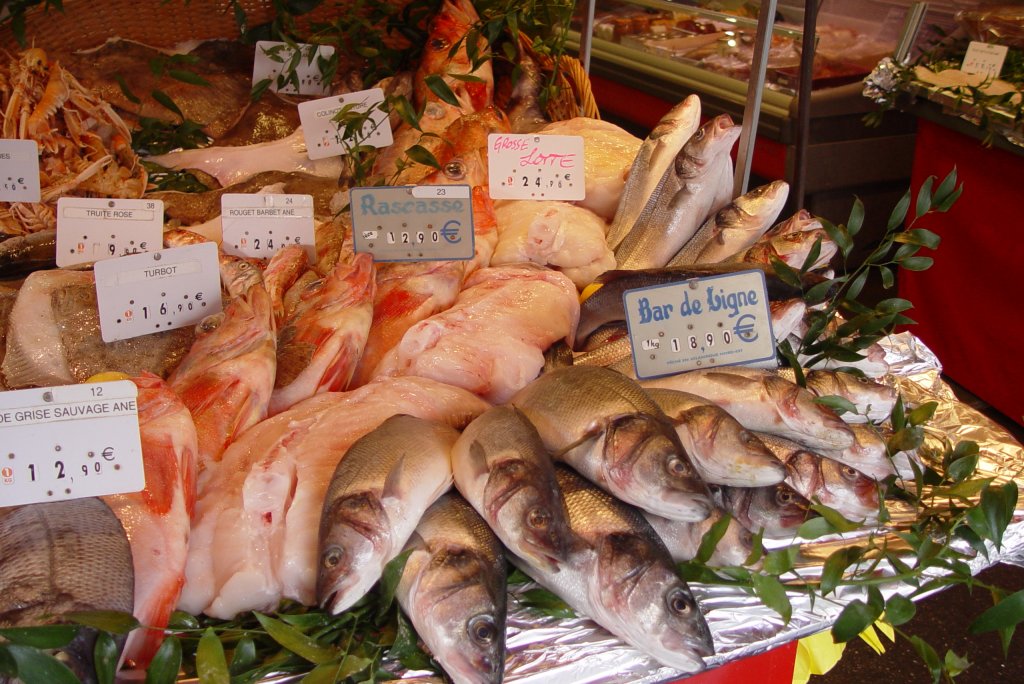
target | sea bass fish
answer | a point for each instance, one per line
(228, 375)
(377, 495)
(652, 162)
(453, 590)
(624, 579)
(762, 401)
(735, 227)
(683, 539)
(319, 346)
(686, 195)
(792, 248)
(722, 450)
(868, 453)
(157, 519)
(874, 401)
(503, 470)
(607, 428)
(777, 509)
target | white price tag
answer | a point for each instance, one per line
(260, 225)
(535, 167)
(287, 67)
(69, 442)
(19, 171)
(984, 58)
(91, 229)
(413, 222)
(147, 293)
(324, 135)
(721, 320)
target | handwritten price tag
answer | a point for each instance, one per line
(91, 229)
(324, 136)
(260, 225)
(285, 67)
(69, 442)
(19, 171)
(149, 293)
(700, 323)
(984, 58)
(537, 167)
(413, 222)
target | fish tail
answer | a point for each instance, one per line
(143, 643)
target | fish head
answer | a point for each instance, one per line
(711, 140)
(245, 325)
(856, 494)
(526, 506)
(445, 53)
(777, 509)
(354, 532)
(644, 461)
(463, 155)
(238, 274)
(648, 601)
(800, 412)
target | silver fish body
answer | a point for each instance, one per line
(453, 589)
(792, 248)
(378, 493)
(777, 509)
(800, 221)
(683, 199)
(786, 317)
(722, 450)
(868, 453)
(874, 400)
(683, 539)
(652, 162)
(503, 470)
(624, 579)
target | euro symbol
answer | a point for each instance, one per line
(450, 232)
(745, 329)
(108, 454)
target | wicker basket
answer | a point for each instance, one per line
(575, 97)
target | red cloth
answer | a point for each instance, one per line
(968, 304)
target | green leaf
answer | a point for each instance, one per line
(835, 518)
(244, 656)
(295, 641)
(905, 252)
(785, 272)
(772, 594)
(405, 111)
(406, 647)
(923, 413)
(853, 291)
(856, 220)
(422, 155)
(105, 620)
(781, 560)
(929, 656)
(854, 619)
(888, 279)
(899, 610)
(962, 468)
(838, 404)
(907, 439)
(128, 94)
(898, 418)
(946, 204)
(918, 263)
(165, 100)
(893, 305)
(997, 504)
(899, 212)
(954, 664)
(814, 528)
(51, 636)
(836, 564)
(710, 540)
(181, 620)
(924, 197)
(546, 603)
(818, 293)
(389, 582)
(188, 77)
(946, 187)
(964, 489)
(438, 86)
(211, 664)
(259, 88)
(812, 256)
(35, 666)
(166, 663)
(105, 655)
(919, 236)
(756, 548)
(337, 670)
(838, 235)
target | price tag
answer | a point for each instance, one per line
(90, 229)
(324, 135)
(413, 222)
(285, 66)
(260, 225)
(148, 293)
(984, 58)
(19, 171)
(721, 320)
(69, 442)
(537, 167)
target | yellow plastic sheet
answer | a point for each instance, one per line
(818, 653)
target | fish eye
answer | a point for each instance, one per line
(455, 170)
(538, 518)
(783, 497)
(699, 135)
(676, 466)
(679, 602)
(332, 557)
(210, 323)
(439, 44)
(848, 472)
(482, 630)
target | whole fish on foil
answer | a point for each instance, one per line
(625, 580)
(792, 248)
(800, 221)
(53, 336)
(379, 491)
(722, 450)
(735, 227)
(319, 346)
(607, 428)
(453, 589)
(157, 519)
(762, 401)
(868, 453)
(777, 509)
(503, 470)
(787, 315)
(683, 539)
(227, 376)
(826, 481)
(652, 162)
(687, 194)
(874, 400)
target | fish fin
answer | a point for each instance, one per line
(206, 392)
(293, 357)
(397, 304)
(163, 474)
(338, 374)
(155, 615)
(393, 483)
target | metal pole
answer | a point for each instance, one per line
(803, 111)
(587, 37)
(755, 87)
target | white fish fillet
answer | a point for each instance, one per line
(563, 236)
(491, 341)
(254, 536)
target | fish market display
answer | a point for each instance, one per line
(453, 590)
(503, 470)
(873, 400)
(381, 488)
(682, 539)
(157, 519)
(777, 510)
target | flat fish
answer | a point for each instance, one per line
(54, 336)
(269, 118)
